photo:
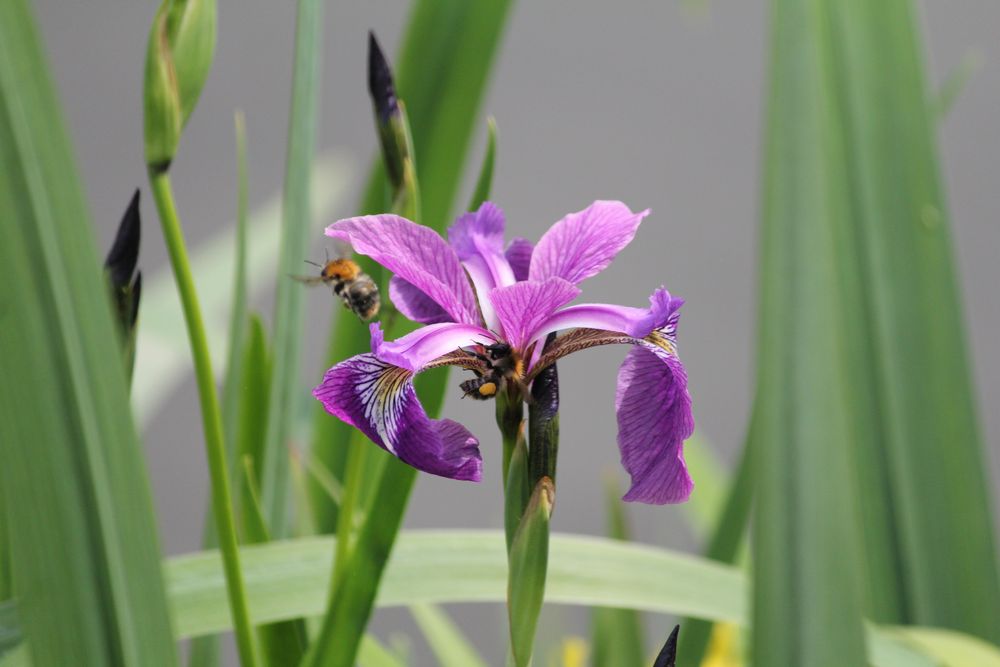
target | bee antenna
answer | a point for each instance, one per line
(309, 261)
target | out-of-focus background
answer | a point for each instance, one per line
(656, 104)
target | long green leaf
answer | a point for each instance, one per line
(617, 633)
(289, 579)
(449, 645)
(857, 258)
(937, 547)
(287, 390)
(83, 540)
(807, 601)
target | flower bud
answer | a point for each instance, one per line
(529, 556)
(124, 281)
(393, 131)
(178, 57)
(668, 654)
(543, 422)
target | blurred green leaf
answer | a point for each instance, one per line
(484, 184)
(287, 389)
(373, 654)
(617, 633)
(75, 493)
(725, 544)
(953, 85)
(857, 257)
(289, 579)
(950, 648)
(449, 645)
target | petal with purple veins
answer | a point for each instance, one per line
(635, 322)
(416, 254)
(379, 399)
(414, 304)
(417, 349)
(654, 419)
(477, 238)
(518, 255)
(583, 244)
(521, 308)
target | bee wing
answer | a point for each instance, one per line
(341, 249)
(308, 280)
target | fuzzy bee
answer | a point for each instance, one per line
(354, 287)
(502, 365)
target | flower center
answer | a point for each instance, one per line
(502, 365)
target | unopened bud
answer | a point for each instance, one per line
(178, 58)
(124, 281)
(529, 557)
(543, 422)
(668, 654)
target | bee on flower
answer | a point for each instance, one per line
(489, 308)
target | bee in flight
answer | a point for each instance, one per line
(501, 365)
(354, 287)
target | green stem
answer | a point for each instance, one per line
(345, 518)
(215, 452)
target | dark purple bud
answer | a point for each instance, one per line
(380, 84)
(668, 654)
(543, 422)
(124, 254)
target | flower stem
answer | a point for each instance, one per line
(215, 452)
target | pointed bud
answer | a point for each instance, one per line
(178, 58)
(528, 565)
(124, 281)
(668, 654)
(543, 422)
(393, 132)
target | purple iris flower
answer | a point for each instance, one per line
(474, 295)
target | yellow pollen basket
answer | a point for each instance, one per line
(488, 389)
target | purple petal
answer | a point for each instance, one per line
(416, 254)
(635, 322)
(519, 257)
(418, 348)
(478, 241)
(583, 244)
(522, 307)
(654, 419)
(414, 304)
(378, 399)
(471, 232)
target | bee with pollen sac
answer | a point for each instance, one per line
(354, 287)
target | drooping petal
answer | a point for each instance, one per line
(583, 244)
(414, 304)
(378, 398)
(477, 238)
(522, 307)
(654, 418)
(417, 349)
(518, 255)
(416, 254)
(635, 322)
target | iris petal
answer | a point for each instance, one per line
(522, 307)
(635, 322)
(414, 304)
(518, 255)
(477, 238)
(415, 253)
(653, 408)
(583, 244)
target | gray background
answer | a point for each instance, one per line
(655, 103)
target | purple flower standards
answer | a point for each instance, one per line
(489, 309)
